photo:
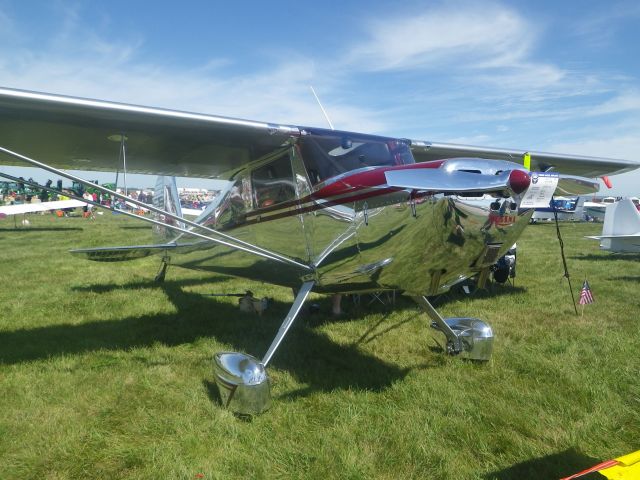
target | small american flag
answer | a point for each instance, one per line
(585, 294)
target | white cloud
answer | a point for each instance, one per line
(624, 146)
(79, 62)
(486, 50)
(485, 35)
(624, 102)
(525, 76)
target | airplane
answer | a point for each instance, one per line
(596, 210)
(308, 208)
(621, 228)
(24, 208)
(564, 207)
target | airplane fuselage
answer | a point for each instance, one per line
(358, 233)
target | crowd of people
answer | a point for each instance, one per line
(12, 193)
(196, 199)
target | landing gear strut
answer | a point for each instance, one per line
(470, 338)
(242, 379)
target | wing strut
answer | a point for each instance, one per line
(250, 249)
(236, 243)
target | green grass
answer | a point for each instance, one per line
(104, 374)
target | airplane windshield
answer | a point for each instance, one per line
(332, 153)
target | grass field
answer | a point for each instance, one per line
(104, 374)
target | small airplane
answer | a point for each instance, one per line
(24, 208)
(595, 210)
(621, 228)
(565, 208)
(309, 208)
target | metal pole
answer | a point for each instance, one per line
(123, 149)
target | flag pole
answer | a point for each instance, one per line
(564, 260)
(583, 304)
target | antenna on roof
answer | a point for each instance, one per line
(322, 108)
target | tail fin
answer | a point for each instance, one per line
(166, 198)
(621, 218)
(621, 229)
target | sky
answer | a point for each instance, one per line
(538, 75)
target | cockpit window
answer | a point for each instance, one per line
(273, 183)
(330, 153)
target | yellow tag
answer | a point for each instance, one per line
(527, 161)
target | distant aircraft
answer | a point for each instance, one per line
(621, 229)
(595, 210)
(566, 208)
(307, 208)
(24, 208)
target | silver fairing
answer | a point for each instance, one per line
(389, 241)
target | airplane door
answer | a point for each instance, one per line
(276, 221)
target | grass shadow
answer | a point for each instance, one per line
(456, 294)
(557, 465)
(625, 278)
(607, 256)
(109, 287)
(369, 335)
(212, 392)
(321, 309)
(308, 355)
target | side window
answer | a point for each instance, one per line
(273, 183)
(329, 153)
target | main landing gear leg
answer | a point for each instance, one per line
(242, 379)
(470, 338)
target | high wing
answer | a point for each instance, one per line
(83, 134)
(39, 207)
(583, 166)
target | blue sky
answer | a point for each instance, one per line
(551, 76)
